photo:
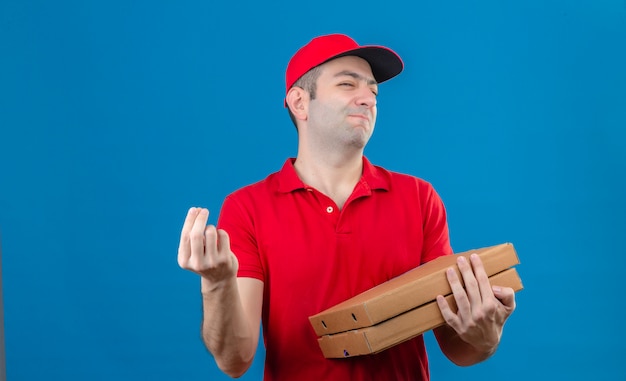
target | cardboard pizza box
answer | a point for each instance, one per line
(405, 292)
(400, 328)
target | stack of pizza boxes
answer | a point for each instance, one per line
(404, 307)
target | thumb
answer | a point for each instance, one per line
(223, 246)
(223, 240)
(505, 295)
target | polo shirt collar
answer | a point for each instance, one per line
(373, 177)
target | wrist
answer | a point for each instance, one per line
(210, 287)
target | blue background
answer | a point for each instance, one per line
(117, 116)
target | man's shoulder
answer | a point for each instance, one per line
(263, 186)
(402, 178)
(283, 180)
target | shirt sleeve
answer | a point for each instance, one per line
(238, 222)
(435, 225)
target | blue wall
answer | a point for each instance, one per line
(117, 116)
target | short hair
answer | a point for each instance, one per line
(308, 82)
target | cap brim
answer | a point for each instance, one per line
(385, 63)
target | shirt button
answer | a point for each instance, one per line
(329, 209)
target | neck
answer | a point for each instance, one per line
(334, 175)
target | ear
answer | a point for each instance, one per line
(298, 100)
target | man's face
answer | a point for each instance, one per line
(344, 109)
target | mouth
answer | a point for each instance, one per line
(360, 116)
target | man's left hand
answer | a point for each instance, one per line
(482, 308)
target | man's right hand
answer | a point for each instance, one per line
(231, 306)
(205, 250)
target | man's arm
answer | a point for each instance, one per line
(231, 306)
(473, 333)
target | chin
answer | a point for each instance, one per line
(359, 142)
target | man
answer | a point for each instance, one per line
(326, 227)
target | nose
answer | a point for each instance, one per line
(366, 97)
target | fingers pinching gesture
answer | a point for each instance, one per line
(482, 308)
(205, 250)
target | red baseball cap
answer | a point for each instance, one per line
(385, 63)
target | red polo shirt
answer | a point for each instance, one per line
(311, 255)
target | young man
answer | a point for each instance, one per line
(326, 227)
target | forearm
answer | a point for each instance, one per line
(226, 331)
(458, 351)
